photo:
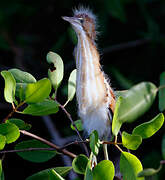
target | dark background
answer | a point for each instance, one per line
(131, 42)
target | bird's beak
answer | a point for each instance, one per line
(71, 20)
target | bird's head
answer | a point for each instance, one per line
(83, 21)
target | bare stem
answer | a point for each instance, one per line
(64, 151)
(71, 120)
(27, 149)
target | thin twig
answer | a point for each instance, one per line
(71, 120)
(64, 151)
(74, 143)
(27, 149)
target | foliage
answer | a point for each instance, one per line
(132, 42)
(39, 101)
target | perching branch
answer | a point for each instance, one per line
(64, 151)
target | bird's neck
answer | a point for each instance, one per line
(91, 83)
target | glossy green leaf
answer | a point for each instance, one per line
(10, 131)
(72, 85)
(42, 109)
(47, 174)
(20, 91)
(88, 171)
(137, 101)
(149, 172)
(10, 86)
(130, 166)
(57, 72)
(94, 142)
(35, 156)
(2, 142)
(104, 171)
(163, 146)
(116, 124)
(78, 124)
(20, 124)
(55, 176)
(22, 76)
(37, 92)
(162, 92)
(79, 164)
(149, 128)
(131, 141)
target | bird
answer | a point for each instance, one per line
(95, 96)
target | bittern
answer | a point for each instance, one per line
(95, 96)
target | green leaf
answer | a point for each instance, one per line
(94, 142)
(20, 124)
(79, 164)
(2, 142)
(56, 74)
(149, 172)
(1, 171)
(163, 146)
(20, 91)
(88, 172)
(104, 171)
(35, 156)
(72, 85)
(10, 86)
(55, 175)
(116, 8)
(162, 93)
(37, 92)
(130, 166)
(131, 141)
(116, 124)
(48, 173)
(149, 128)
(22, 76)
(44, 108)
(137, 101)
(10, 131)
(78, 124)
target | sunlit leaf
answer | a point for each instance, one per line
(104, 170)
(20, 124)
(162, 92)
(116, 124)
(72, 85)
(131, 141)
(44, 108)
(94, 142)
(22, 76)
(130, 166)
(79, 164)
(57, 72)
(149, 128)
(137, 101)
(37, 92)
(10, 131)
(46, 174)
(2, 142)
(10, 86)
(35, 156)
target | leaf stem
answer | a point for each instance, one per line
(64, 151)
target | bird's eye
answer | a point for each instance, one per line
(81, 20)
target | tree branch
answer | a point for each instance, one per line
(64, 151)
